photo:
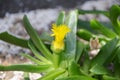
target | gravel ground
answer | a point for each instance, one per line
(41, 20)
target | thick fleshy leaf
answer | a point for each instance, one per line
(36, 53)
(71, 21)
(52, 74)
(84, 34)
(105, 52)
(118, 53)
(83, 24)
(99, 70)
(106, 13)
(33, 59)
(65, 74)
(87, 35)
(77, 78)
(79, 50)
(114, 14)
(105, 77)
(86, 64)
(45, 37)
(26, 68)
(74, 69)
(36, 39)
(61, 18)
(5, 36)
(114, 55)
(117, 68)
(102, 29)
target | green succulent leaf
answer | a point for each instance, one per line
(105, 52)
(79, 50)
(36, 39)
(5, 36)
(74, 69)
(118, 54)
(52, 74)
(45, 37)
(114, 55)
(114, 14)
(99, 70)
(33, 59)
(86, 64)
(36, 53)
(71, 22)
(105, 77)
(106, 13)
(26, 68)
(87, 35)
(117, 68)
(84, 34)
(61, 18)
(77, 78)
(102, 29)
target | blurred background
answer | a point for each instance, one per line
(14, 6)
(27, 5)
(41, 13)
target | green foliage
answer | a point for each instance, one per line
(105, 31)
(84, 34)
(77, 78)
(109, 53)
(5, 36)
(71, 21)
(61, 18)
(114, 14)
(25, 68)
(105, 53)
(74, 63)
(36, 39)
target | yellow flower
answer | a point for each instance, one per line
(59, 32)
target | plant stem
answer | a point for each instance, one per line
(55, 60)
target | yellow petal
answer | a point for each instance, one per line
(59, 32)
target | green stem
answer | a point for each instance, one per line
(55, 60)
